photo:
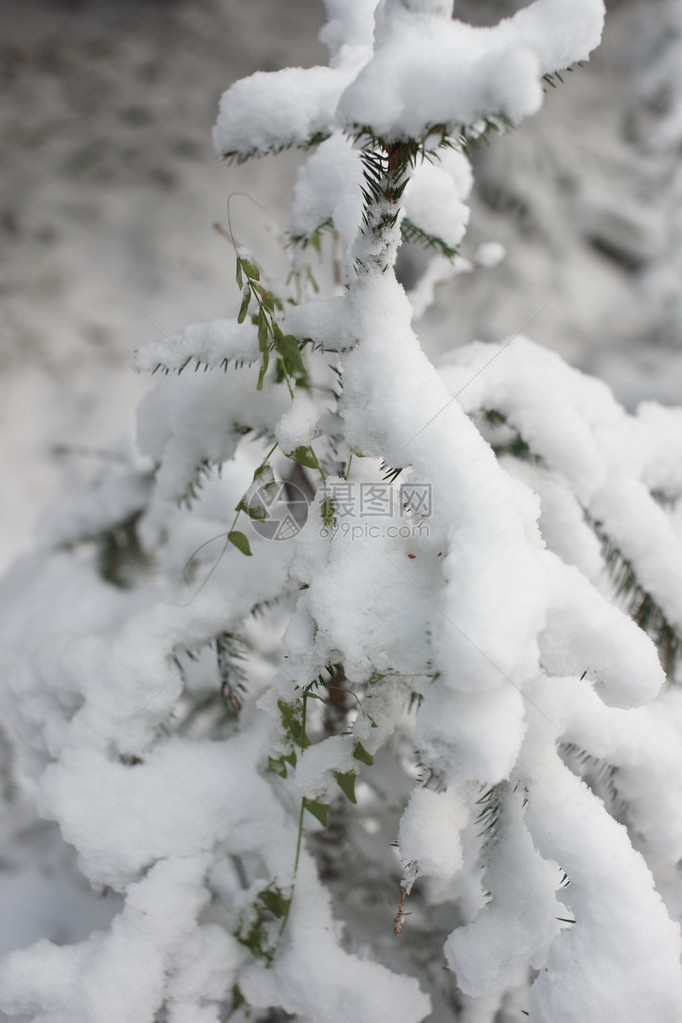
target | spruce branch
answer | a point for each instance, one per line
(639, 603)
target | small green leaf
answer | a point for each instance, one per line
(263, 369)
(360, 753)
(279, 371)
(254, 511)
(317, 809)
(256, 500)
(292, 722)
(240, 541)
(251, 270)
(273, 899)
(328, 513)
(291, 353)
(277, 766)
(305, 456)
(244, 308)
(346, 783)
(262, 333)
(240, 275)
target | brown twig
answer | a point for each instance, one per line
(399, 918)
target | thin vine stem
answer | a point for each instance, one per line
(299, 838)
(217, 537)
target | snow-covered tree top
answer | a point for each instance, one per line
(421, 69)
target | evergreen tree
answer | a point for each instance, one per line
(430, 720)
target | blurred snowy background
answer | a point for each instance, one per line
(109, 189)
